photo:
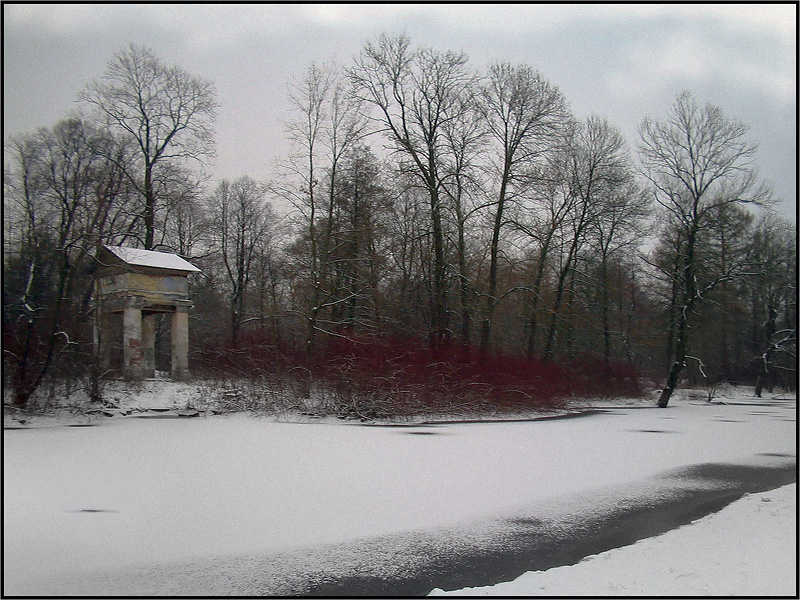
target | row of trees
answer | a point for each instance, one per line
(469, 210)
(489, 177)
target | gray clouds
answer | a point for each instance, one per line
(623, 62)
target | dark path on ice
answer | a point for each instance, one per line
(477, 554)
(534, 544)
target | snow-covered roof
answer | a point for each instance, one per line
(151, 258)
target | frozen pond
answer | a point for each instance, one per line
(84, 506)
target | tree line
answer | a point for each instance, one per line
(469, 212)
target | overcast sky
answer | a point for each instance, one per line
(622, 61)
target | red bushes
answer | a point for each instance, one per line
(385, 376)
(413, 379)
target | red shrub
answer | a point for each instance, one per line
(389, 375)
(413, 378)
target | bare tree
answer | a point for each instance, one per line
(180, 222)
(616, 231)
(327, 125)
(464, 136)
(597, 165)
(547, 207)
(308, 98)
(168, 111)
(416, 93)
(406, 254)
(526, 117)
(773, 291)
(361, 204)
(697, 160)
(65, 194)
(611, 208)
(241, 223)
(728, 244)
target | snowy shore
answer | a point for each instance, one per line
(83, 506)
(749, 548)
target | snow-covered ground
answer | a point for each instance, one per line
(129, 494)
(749, 548)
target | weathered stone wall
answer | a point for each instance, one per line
(138, 297)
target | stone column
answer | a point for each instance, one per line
(149, 345)
(180, 343)
(132, 341)
(102, 344)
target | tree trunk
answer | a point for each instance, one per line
(759, 385)
(440, 316)
(533, 321)
(29, 377)
(605, 310)
(551, 330)
(689, 298)
(765, 377)
(491, 300)
(679, 362)
(149, 208)
(463, 276)
(672, 381)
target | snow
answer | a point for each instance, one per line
(128, 494)
(152, 258)
(749, 548)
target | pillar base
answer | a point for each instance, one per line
(133, 351)
(180, 344)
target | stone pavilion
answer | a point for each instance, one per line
(139, 285)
